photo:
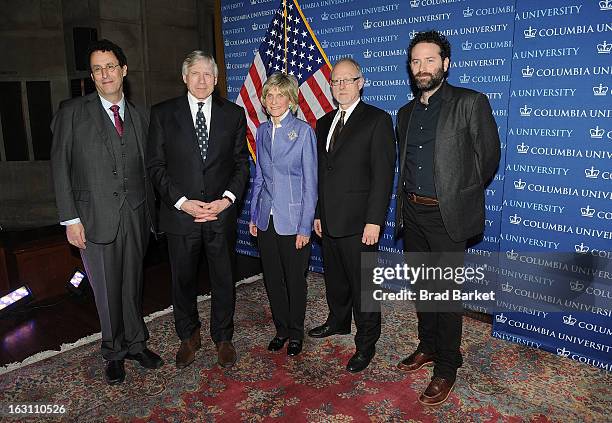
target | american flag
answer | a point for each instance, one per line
(289, 46)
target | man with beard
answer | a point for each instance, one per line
(449, 149)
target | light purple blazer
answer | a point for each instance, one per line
(285, 177)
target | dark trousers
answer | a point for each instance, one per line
(185, 252)
(115, 273)
(284, 269)
(439, 333)
(342, 262)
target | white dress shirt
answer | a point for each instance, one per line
(347, 113)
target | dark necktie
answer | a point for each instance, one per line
(337, 130)
(201, 131)
(118, 122)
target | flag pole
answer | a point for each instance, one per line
(285, 38)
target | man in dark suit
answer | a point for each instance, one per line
(106, 202)
(449, 150)
(356, 150)
(198, 161)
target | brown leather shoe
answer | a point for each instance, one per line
(186, 352)
(437, 391)
(415, 361)
(226, 354)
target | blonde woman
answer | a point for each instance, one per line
(283, 207)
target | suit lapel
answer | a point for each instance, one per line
(350, 126)
(324, 131)
(94, 108)
(214, 126)
(182, 114)
(445, 107)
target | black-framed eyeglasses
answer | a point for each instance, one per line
(349, 81)
(97, 70)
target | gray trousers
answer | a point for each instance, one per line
(115, 272)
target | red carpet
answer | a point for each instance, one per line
(499, 382)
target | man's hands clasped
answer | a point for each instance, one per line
(205, 212)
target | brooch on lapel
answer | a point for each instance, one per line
(292, 135)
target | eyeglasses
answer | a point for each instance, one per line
(350, 81)
(97, 70)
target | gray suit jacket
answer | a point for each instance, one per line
(466, 156)
(83, 165)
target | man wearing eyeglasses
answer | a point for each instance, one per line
(356, 150)
(106, 202)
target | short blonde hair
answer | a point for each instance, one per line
(286, 84)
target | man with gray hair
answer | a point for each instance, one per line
(356, 157)
(198, 162)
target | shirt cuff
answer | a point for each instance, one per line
(229, 195)
(180, 202)
(70, 222)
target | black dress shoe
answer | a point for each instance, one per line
(325, 330)
(114, 372)
(276, 343)
(359, 361)
(294, 348)
(147, 359)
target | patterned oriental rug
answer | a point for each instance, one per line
(499, 382)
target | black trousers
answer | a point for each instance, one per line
(185, 252)
(284, 269)
(342, 263)
(115, 272)
(439, 333)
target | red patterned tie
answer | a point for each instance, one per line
(118, 122)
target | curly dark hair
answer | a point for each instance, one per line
(106, 45)
(433, 37)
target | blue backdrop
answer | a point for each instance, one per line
(547, 72)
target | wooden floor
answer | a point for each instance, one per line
(67, 318)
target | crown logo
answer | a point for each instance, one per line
(512, 255)
(515, 219)
(527, 72)
(466, 45)
(605, 5)
(591, 173)
(530, 32)
(600, 90)
(569, 320)
(226, 42)
(464, 79)
(604, 48)
(367, 83)
(367, 54)
(597, 132)
(324, 44)
(253, 2)
(522, 148)
(525, 110)
(255, 51)
(562, 352)
(520, 184)
(410, 96)
(587, 211)
(576, 286)
(254, 26)
(324, 16)
(467, 13)
(581, 248)
(415, 3)
(500, 318)
(367, 24)
(506, 287)
(412, 34)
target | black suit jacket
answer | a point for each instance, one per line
(175, 164)
(356, 178)
(466, 156)
(83, 167)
